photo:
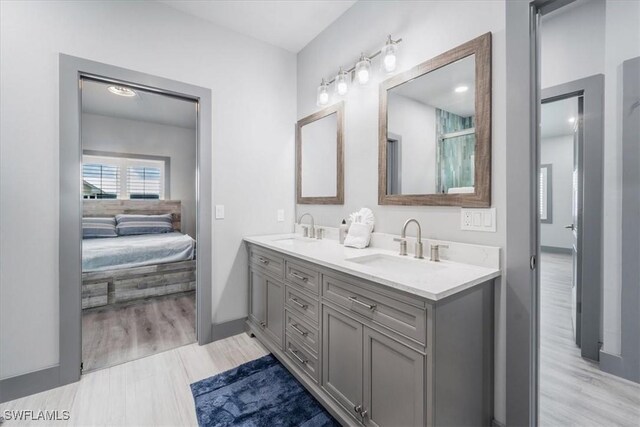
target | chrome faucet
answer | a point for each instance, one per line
(309, 231)
(403, 239)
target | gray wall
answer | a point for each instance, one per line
(558, 151)
(253, 113)
(119, 135)
(428, 29)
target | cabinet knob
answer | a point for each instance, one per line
(358, 409)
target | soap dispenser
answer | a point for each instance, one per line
(343, 231)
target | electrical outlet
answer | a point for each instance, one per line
(219, 211)
(280, 215)
(478, 219)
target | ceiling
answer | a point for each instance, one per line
(555, 116)
(437, 88)
(145, 106)
(288, 24)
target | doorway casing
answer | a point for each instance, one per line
(72, 69)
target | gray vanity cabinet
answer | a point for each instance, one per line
(342, 359)
(266, 306)
(394, 382)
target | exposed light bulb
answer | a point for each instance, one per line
(461, 89)
(323, 94)
(363, 69)
(342, 82)
(389, 59)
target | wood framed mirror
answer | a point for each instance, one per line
(435, 130)
(319, 157)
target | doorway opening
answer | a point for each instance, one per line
(139, 268)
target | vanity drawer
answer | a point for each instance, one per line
(268, 261)
(398, 316)
(302, 358)
(303, 304)
(303, 276)
(303, 332)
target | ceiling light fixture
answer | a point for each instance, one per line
(121, 91)
(461, 89)
(361, 71)
(323, 94)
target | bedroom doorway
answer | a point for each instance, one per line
(139, 163)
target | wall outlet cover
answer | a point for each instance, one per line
(478, 219)
(280, 215)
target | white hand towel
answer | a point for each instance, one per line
(359, 235)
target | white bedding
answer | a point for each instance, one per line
(136, 251)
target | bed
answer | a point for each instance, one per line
(126, 268)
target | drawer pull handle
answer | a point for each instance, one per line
(298, 303)
(298, 330)
(369, 306)
(300, 359)
(264, 261)
(299, 277)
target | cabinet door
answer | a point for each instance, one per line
(257, 297)
(394, 392)
(275, 310)
(342, 358)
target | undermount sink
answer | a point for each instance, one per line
(406, 265)
(295, 239)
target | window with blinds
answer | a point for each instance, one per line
(144, 182)
(100, 181)
(105, 177)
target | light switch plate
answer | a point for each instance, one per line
(478, 219)
(219, 211)
(280, 215)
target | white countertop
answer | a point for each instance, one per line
(440, 279)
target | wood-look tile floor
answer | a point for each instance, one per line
(116, 334)
(574, 391)
(153, 391)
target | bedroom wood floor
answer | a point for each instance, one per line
(153, 391)
(114, 335)
(574, 391)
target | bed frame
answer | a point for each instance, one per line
(101, 288)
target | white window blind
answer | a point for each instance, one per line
(144, 182)
(106, 177)
(100, 181)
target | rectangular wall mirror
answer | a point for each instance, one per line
(435, 130)
(319, 157)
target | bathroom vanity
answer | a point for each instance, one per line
(379, 339)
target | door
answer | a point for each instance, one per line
(576, 203)
(275, 310)
(393, 376)
(342, 359)
(258, 297)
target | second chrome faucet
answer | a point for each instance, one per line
(419, 251)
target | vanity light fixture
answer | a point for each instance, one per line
(323, 94)
(389, 59)
(461, 89)
(362, 71)
(342, 82)
(122, 91)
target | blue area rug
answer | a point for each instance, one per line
(259, 393)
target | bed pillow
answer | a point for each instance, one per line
(98, 227)
(143, 224)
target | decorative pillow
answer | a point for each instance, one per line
(98, 227)
(143, 224)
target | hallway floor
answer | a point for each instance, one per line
(573, 391)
